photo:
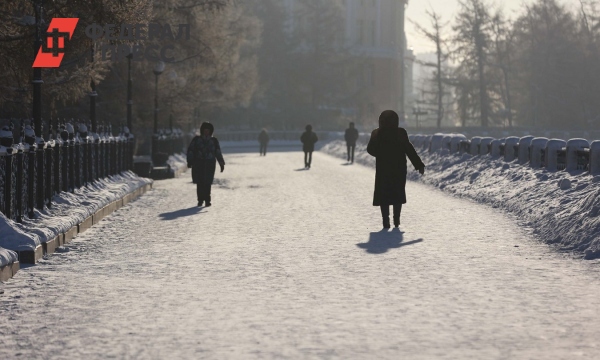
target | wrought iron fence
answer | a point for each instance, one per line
(33, 171)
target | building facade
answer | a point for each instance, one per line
(375, 33)
(375, 36)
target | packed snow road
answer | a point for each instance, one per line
(290, 263)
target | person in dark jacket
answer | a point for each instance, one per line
(351, 136)
(202, 156)
(263, 139)
(308, 138)
(390, 146)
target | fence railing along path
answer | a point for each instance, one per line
(33, 171)
(538, 152)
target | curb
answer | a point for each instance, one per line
(49, 247)
(8, 271)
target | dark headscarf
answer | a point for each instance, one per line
(389, 119)
(207, 125)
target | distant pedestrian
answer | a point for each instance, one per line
(308, 138)
(390, 145)
(263, 139)
(351, 136)
(202, 156)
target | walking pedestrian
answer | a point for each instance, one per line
(308, 138)
(263, 139)
(202, 156)
(351, 136)
(390, 145)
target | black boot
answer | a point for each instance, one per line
(397, 211)
(208, 201)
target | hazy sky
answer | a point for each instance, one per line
(448, 8)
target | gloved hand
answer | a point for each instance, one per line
(222, 168)
(189, 165)
(422, 170)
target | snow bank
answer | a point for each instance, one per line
(7, 257)
(177, 161)
(562, 207)
(68, 210)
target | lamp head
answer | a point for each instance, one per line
(159, 68)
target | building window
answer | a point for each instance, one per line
(369, 72)
(373, 34)
(360, 32)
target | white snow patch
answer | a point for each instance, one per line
(68, 209)
(567, 215)
(177, 162)
(7, 257)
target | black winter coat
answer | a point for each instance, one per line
(351, 136)
(309, 139)
(203, 155)
(391, 146)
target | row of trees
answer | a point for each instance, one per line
(244, 61)
(214, 68)
(541, 69)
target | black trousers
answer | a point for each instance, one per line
(351, 148)
(263, 149)
(307, 158)
(385, 211)
(203, 192)
(204, 174)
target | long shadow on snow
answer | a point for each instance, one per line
(382, 241)
(180, 213)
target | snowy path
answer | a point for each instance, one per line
(292, 264)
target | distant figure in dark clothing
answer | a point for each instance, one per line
(351, 136)
(308, 138)
(263, 139)
(202, 156)
(390, 146)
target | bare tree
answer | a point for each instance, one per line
(472, 42)
(442, 55)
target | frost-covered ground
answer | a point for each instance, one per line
(568, 217)
(289, 263)
(68, 209)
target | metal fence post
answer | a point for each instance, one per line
(3, 155)
(23, 202)
(40, 170)
(49, 173)
(58, 158)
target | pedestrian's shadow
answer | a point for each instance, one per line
(180, 213)
(380, 242)
(302, 169)
(346, 164)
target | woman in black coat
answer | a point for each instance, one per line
(390, 146)
(202, 156)
(308, 139)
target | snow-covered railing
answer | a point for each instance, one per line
(32, 170)
(551, 154)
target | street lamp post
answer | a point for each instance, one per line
(38, 160)
(159, 68)
(93, 94)
(129, 94)
(37, 72)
